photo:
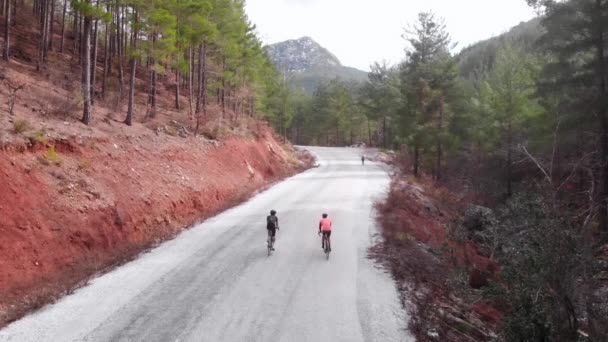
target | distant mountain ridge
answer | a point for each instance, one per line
(307, 64)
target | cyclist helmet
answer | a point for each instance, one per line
(324, 215)
(273, 212)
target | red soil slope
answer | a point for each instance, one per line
(425, 260)
(101, 201)
(76, 200)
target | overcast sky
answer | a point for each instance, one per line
(360, 32)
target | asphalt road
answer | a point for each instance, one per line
(215, 281)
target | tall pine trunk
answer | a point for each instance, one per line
(384, 135)
(43, 45)
(190, 82)
(80, 38)
(106, 61)
(51, 25)
(201, 104)
(129, 118)
(120, 55)
(65, 9)
(602, 112)
(94, 63)
(439, 143)
(75, 31)
(177, 79)
(86, 70)
(153, 75)
(7, 30)
(509, 158)
(223, 92)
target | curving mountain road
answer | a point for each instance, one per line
(215, 282)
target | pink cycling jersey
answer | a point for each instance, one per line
(325, 225)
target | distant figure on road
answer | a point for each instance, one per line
(362, 160)
(272, 225)
(325, 228)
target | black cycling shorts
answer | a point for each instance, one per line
(327, 233)
(272, 232)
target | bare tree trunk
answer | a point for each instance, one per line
(43, 37)
(48, 38)
(125, 33)
(199, 81)
(86, 70)
(190, 82)
(509, 158)
(94, 62)
(602, 68)
(153, 75)
(129, 118)
(118, 35)
(80, 37)
(384, 143)
(202, 98)
(7, 30)
(223, 97)
(119, 49)
(106, 61)
(111, 39)
(439, 144)
(369, 133)
(52, 25)
(75, 30)
(177, 73)
(65, 9)
(14, 14)
(177, 77)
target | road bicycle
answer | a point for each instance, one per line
(326, 245)
(270, 243)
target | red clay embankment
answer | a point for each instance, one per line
(432, 269)
(99, 202)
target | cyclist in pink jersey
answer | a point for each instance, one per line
(325, 228)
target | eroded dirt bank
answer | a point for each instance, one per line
(435, 272)
(93, 203)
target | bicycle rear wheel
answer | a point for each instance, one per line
(269, 245)
(327, 247)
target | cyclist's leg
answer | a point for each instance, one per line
(329, 239)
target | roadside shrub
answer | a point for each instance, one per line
(84, 165)
(542, 256)
(63, 107)
(52, 156)
(39, 137)
(20, 126)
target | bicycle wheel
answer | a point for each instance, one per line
(269, 245)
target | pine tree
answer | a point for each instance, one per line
(577, 33)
